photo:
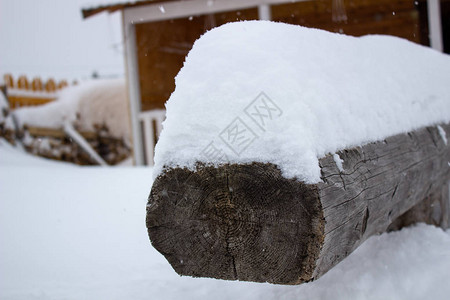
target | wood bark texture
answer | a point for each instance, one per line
(248, 222)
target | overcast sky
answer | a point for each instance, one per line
(49, 38)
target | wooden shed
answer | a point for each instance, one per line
(158, 34)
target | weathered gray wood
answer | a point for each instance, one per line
(247, 222)
(379, 183)
(434, 210)
(236, 222)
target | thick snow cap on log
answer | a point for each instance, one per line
(322, 92)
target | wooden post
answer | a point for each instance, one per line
(22, 83)
(62, 84)
(248, 222)
(134, 94)
(50, 85)
(435, 24)
(36, 84)
(9, 81)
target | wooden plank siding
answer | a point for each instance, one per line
(398, 18)
(163, 45)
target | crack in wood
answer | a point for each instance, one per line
(395, 191)
(227, 237)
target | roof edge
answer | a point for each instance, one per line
(87, 12)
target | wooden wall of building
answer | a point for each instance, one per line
(392, 17)
(163, 45)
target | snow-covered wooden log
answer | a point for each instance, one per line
(248, 222)
(284, 148)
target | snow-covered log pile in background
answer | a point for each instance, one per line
(285, 148)
(6, 126)
(97, 108)
(4, 108)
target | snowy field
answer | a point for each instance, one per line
(69, 232)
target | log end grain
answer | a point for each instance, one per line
(236, 222)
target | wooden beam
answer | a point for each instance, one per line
(248, 222)
(264, 12)
(23, 101)
(380, 182)
(134, 95)
(80, 141)
(56, 133)
(184, 9)
(435, 24)
(91, 11)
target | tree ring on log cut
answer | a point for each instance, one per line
(236, 222)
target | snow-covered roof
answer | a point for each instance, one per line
(101, 101)
(105, 5)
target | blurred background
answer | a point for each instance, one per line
(106, 68)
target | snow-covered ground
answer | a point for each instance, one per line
(69, 232)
